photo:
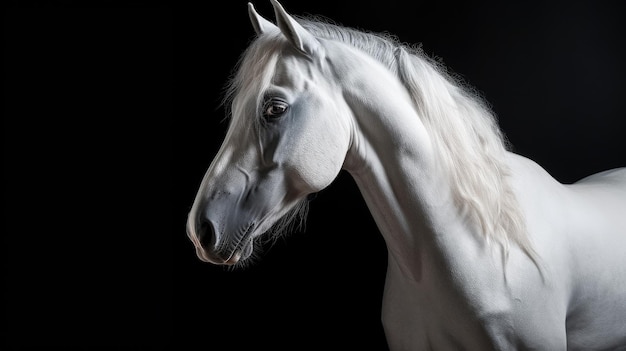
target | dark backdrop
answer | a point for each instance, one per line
(111, 117)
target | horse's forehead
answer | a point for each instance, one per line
(293, 71)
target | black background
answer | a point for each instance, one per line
(111, 116)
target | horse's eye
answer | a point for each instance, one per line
(274, 109)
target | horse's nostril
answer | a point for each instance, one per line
(206, 234)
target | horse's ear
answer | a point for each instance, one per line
(260, 24)
(295, 33)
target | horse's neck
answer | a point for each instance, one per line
(393, 164)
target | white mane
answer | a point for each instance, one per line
(470, 147)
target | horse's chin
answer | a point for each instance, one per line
(237, 256)
(241, 254)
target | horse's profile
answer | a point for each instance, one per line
(486, 250)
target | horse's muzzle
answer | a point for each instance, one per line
(209, 248)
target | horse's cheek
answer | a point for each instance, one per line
(320, 159)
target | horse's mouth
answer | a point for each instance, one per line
(241, 252)
(230, 254)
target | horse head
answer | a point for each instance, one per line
(287, 138)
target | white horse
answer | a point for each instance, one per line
(486, 250)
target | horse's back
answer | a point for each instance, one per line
(599, 201)
(597, 240)
(612, 177)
